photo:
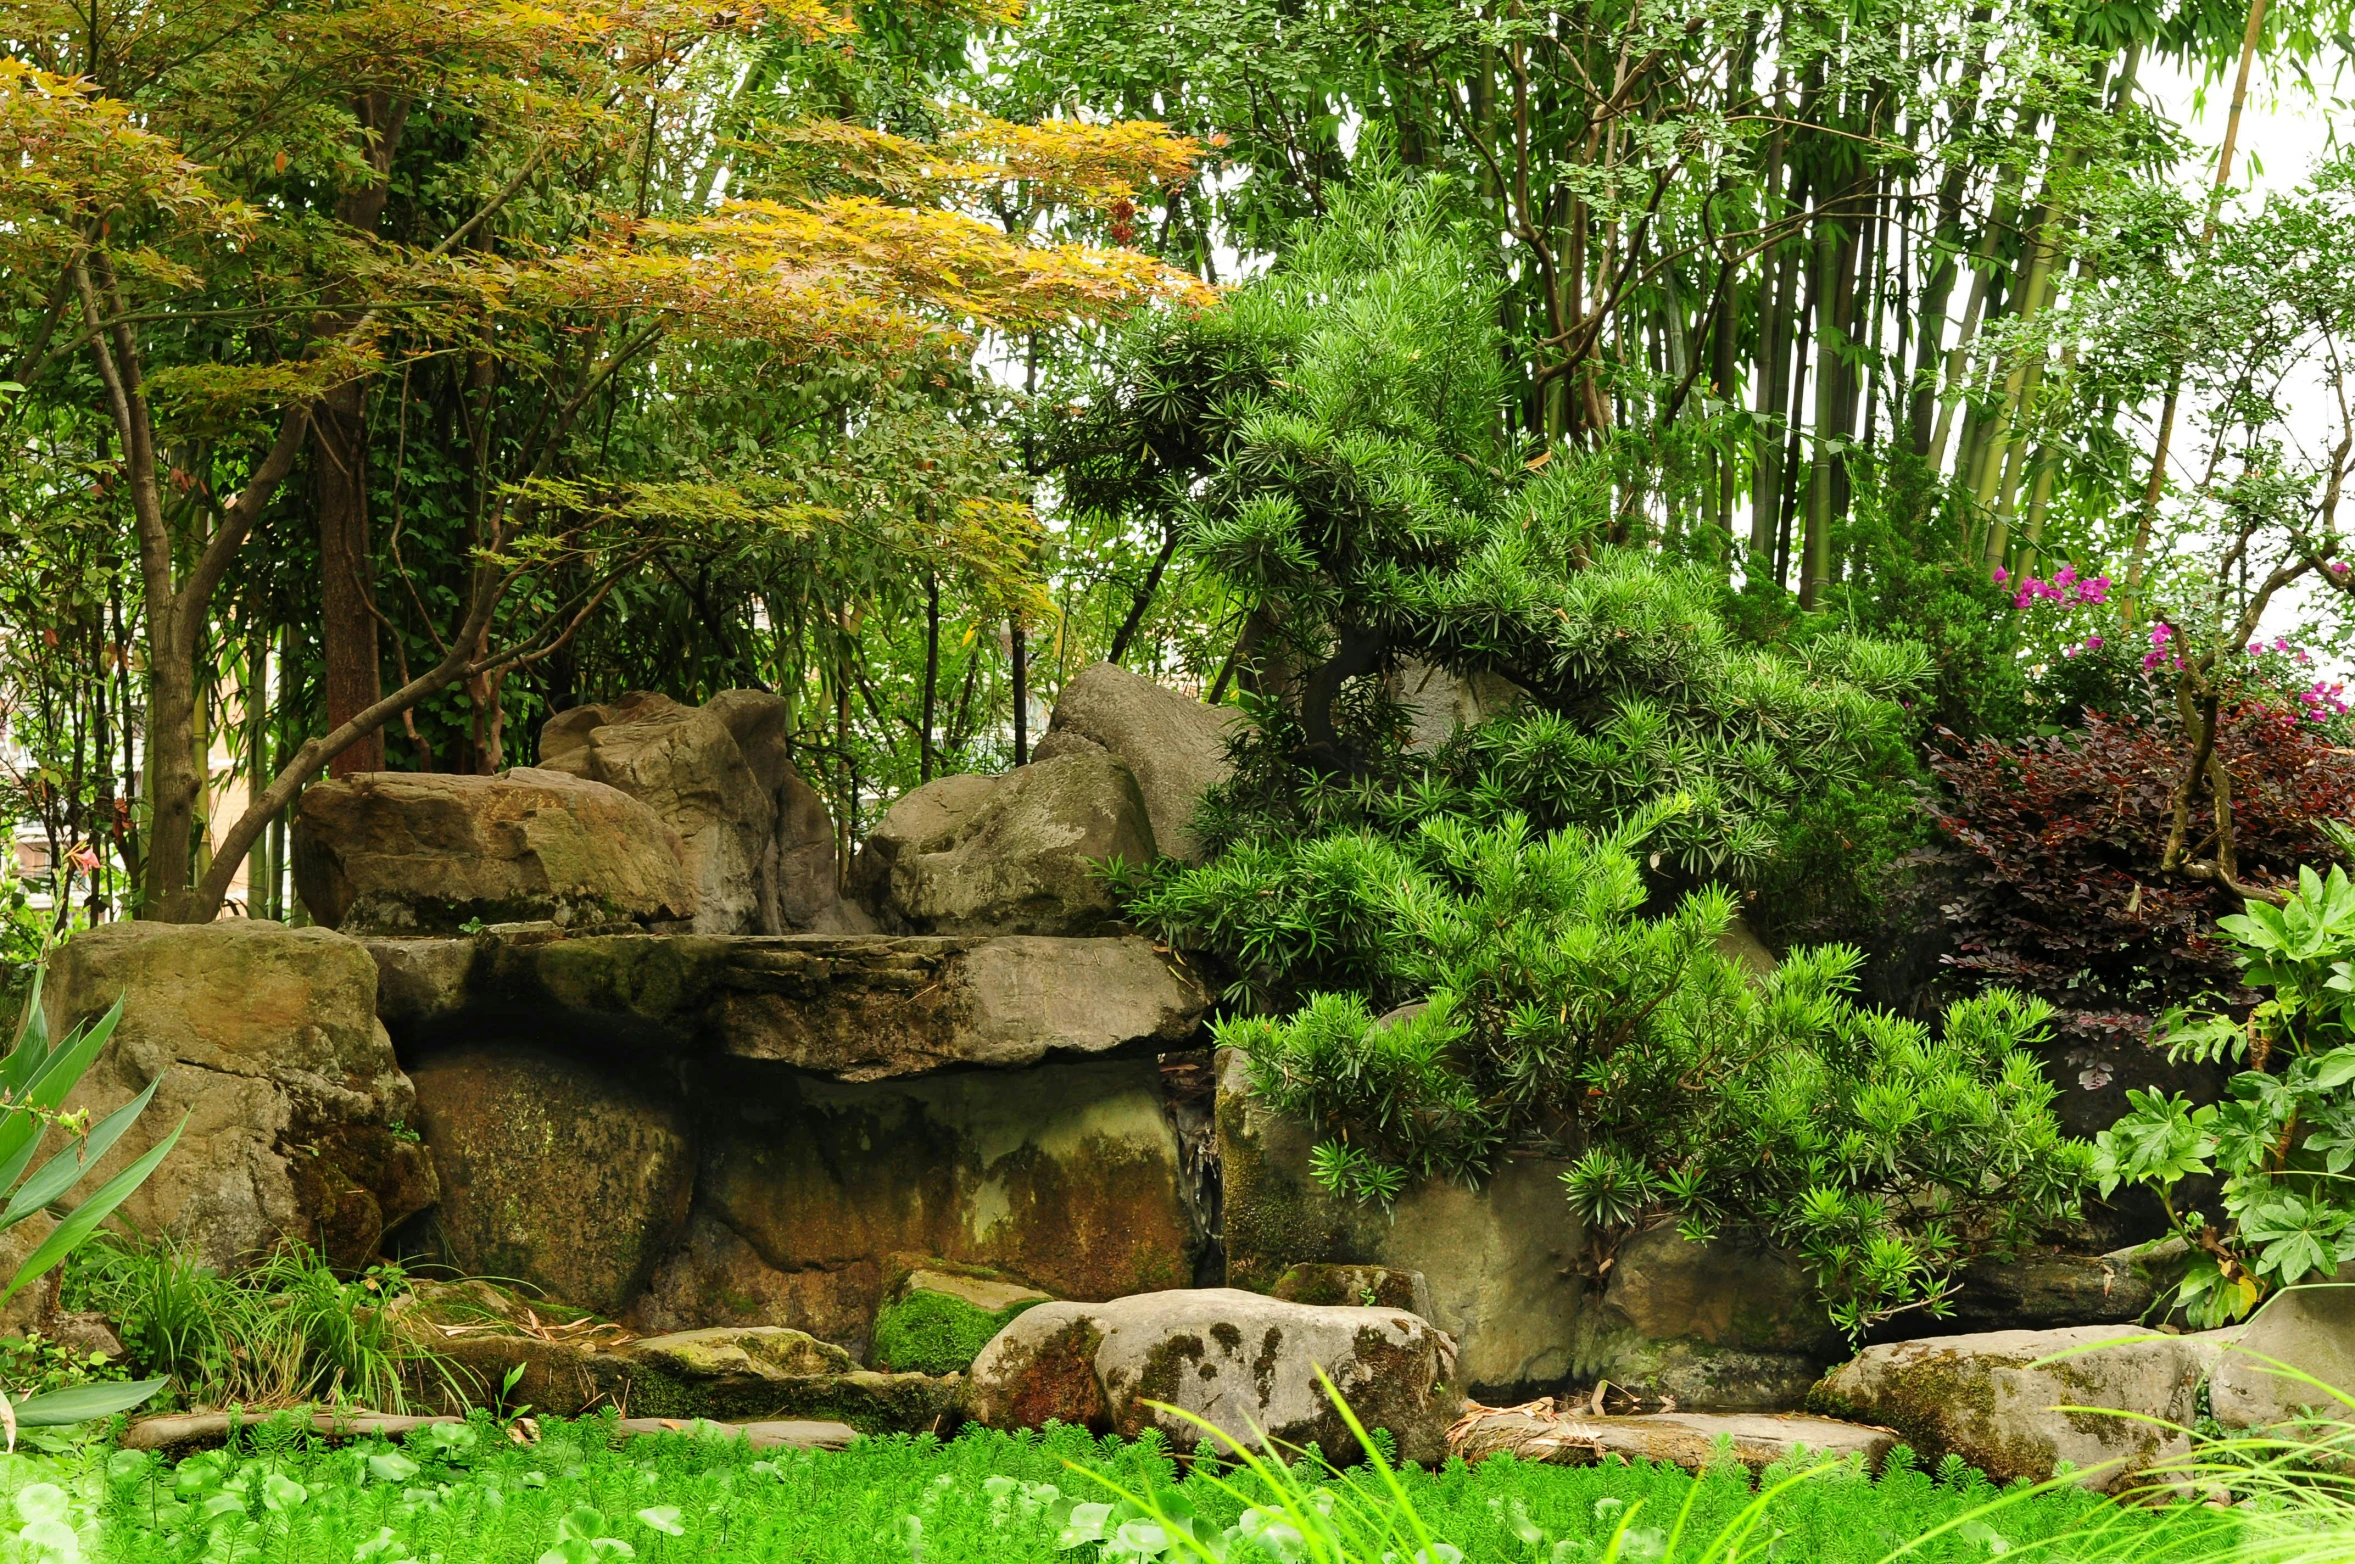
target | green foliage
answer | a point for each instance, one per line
(284, 1331)
(1554, 1013)
(932, 1333)
(2283, 1140)
(1330, 448)
(1030, 1498)
(35, 1079)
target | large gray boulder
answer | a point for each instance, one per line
(759, 846)
(1020, 853)
(1505, 1264)
(388, 852)
(2112, 1402)
(1176, 746)
(299, 1121)
(1244, 1363)
(1732, 1325)
(2294, 1358)
(554, 1174)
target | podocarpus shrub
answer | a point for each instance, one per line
(1326, 450)
(2050, 881)
(1550, 1012)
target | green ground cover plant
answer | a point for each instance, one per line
(580, 1496)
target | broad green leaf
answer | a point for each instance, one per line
(52, 1081)
(57, 1408)
(32, 1046)
(68, 1235)
(2332, 1070)
(61, 1172)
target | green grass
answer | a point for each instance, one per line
(468, 1496)
(282, 1331)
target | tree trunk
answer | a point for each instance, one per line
(1021, 696)
(339, 461)
(931, 676)
(347, 619)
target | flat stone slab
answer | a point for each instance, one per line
(855, 1007)
(1691, 1440)
(203, 1430)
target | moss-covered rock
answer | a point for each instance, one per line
(553, 1172)
(568, 1368)
(937, 1322)
(1252, 1367)
(262, 1043)
(2111, 1402)
(1731, 1325)
(1365, 1286)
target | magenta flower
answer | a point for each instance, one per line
(2002, 575)
(2339, 567)
(2093, 643)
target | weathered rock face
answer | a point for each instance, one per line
(759, 846)
(2300, 1337)
(1367, 1286)
(1503, 1262)
(730, 1374)
(1176, 746)
(714, 1277)
(1067, 1179)
(851, 1007)
(1015, 854)
(1731, 1325)
(2043, 1290)
(268, 1042)
(1994, 1399)
(394, 852)
(1242, 1362)
(553, 1173)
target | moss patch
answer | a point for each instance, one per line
(933, 1333)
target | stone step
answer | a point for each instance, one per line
(1691, 1440)
(855, 1007)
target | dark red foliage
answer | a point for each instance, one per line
(2052, 882)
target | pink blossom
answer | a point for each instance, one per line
(2002, 575)
(2093, 643)
(2339, 567)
